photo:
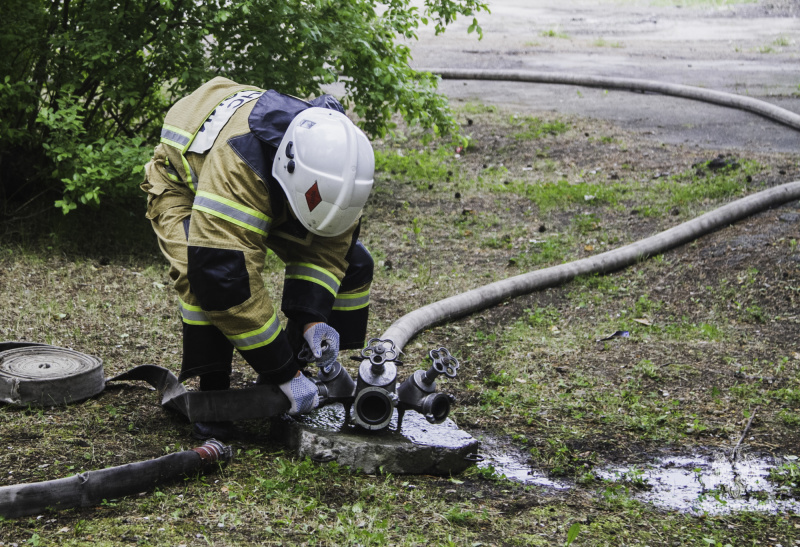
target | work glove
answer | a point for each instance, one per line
(323, 341)
(302, 394)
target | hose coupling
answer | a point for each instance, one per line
(335, 384)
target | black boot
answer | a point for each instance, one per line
(221, 431)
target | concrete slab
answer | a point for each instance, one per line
(419, 448)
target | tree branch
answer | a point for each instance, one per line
(732, 456)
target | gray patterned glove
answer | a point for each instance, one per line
(302, 393)
(323, 341)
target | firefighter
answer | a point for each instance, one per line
(240, 171)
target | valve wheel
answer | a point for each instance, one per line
(443, 362)
(379, 351)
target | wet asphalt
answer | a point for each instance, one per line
(751, 49)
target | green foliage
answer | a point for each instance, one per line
(573, 532)
(84, 85)
(88, 168)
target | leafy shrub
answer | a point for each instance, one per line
(84, 85)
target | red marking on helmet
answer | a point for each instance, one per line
(312, 197)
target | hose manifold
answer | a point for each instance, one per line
(334, 384)
(436, 407)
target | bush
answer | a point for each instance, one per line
(84, 85)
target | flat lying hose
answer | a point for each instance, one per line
(721, 98)
(260, 401)
(92, 487)
(402, 330)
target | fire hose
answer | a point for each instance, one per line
(92, 487)
(405, 328)
(374, 395)
(731, 100)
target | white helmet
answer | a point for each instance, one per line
(325, 165)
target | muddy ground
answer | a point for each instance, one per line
(713, 340)
(747, 48)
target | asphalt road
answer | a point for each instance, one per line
(751, 49)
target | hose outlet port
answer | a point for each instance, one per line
(374, 407)
(436, 407)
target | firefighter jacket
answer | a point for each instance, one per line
(216, 210)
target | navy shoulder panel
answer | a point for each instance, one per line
(255, 154)
(328, 101)
(259, 157)
(273, 112)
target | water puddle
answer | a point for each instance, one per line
(697, 484)
(511, 463)
(415, 428)
(705, 484)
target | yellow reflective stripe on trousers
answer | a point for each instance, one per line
(314, 274)
(259, 337)
(231, 211)
(192, 315)
(350, 302)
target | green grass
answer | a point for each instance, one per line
(787, 476)
(420, 167)
(602, 42)
(561, 193)
(684, 190)
(477, 108)
(782, 41)
(531, 128)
